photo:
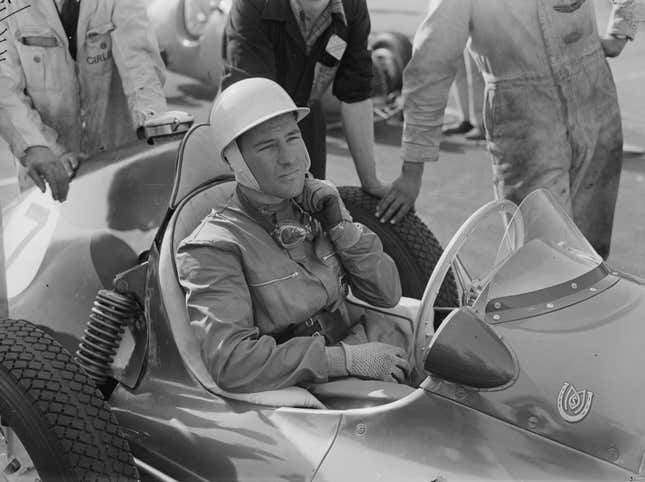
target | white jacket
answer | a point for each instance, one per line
(48, 99)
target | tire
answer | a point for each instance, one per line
(391, 67)
(56, 412)
(409, 243)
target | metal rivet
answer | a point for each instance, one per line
(550, 305)
(37, 59)
(496, 317)
(533, 422)
(574, 285)
(612, 453)
(361, 429)
(497, 305)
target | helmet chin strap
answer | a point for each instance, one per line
(243, 174)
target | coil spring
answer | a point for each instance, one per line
(110, 314)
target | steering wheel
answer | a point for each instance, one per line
(424, 327)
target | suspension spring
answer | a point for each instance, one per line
(110, 314)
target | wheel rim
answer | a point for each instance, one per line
(15, 462)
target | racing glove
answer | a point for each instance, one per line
(322, 200)
(376, 361)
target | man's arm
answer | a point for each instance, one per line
(136, 55)
(358, 124)
(248, 50)
(33, 142)
(353, 87)
(438, 48)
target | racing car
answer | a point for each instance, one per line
(525, 371)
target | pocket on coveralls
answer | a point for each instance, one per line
(40, 55)
(98, 49)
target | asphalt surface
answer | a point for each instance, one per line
(461, 181)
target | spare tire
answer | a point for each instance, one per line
(65, 429)
(391, 52)
(409, 243)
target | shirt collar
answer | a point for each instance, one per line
(281, 9)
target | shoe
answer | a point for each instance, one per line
(461, 128)
(476, 134)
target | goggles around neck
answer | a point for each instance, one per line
(289, 233)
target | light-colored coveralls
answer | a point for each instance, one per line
(241, 287)
(86, 106)
(550, 109)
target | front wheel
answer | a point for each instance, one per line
(53, 423)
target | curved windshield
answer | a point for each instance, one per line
(541, 248)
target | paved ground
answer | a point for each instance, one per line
(460, 182)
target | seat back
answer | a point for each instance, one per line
(197, 163)
(195, 168)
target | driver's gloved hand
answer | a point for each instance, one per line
(377, 361)
(322, 200)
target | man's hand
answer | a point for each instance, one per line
(322, 200)
(612, 46)
(376, 188)
(42, 165)
(402, 194)
(71, 161)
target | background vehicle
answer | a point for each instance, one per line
(190, 38)
(528, 379)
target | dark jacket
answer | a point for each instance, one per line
(262, 39)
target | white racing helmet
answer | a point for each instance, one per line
(242, 106)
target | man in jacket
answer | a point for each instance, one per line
(78, 77)
(266, 275)
(307, 46)
(550, 110)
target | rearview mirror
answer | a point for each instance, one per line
(466, 350)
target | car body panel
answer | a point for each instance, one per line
(588, 345)
(443, 440)
(62, 254)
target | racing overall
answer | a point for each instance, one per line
(550, 110)
(86, 104)
(256, 306)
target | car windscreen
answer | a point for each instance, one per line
(542, 256)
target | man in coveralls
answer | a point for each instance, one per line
(78, 77)
(550, 110)
(266, 274)
(306, 46)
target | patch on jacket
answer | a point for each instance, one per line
(569, 7)
(97, 59)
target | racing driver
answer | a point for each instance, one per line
(267, 275)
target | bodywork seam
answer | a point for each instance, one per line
(331, 444)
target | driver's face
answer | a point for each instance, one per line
(276, 155)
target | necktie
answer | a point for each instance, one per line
(69, 18)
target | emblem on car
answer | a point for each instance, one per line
(574, 405)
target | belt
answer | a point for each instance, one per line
(330, 324)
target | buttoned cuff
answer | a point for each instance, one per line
(419, 153)
(623, 20)
(336, 362)
(345, 235)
